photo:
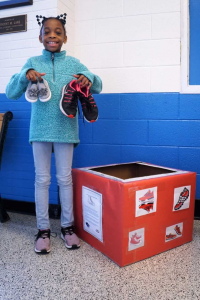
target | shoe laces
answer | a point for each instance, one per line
(73, 103)
(87, 101)
(45, 234)
(68, 230)
(71, 96)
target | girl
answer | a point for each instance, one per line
(49, 128)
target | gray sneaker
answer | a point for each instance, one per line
(72, 242)
(44, 91)
(31, 93)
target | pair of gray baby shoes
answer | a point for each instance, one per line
(38, 89)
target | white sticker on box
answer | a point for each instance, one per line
(182, 197)
(146, 201)
(136, 239)
(92, 212)
(173, 232)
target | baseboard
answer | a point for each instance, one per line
(54, 209)
(29, 208)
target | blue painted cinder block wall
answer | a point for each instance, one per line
(159, 128)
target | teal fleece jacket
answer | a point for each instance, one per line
(48, 124)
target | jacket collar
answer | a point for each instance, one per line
(48, 54)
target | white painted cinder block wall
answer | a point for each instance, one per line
(16, 48)
(133, 45)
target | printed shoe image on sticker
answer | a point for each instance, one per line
(146, 206)
(182, 198)
(149, 196)
(170, 236)
(178, 230)
(147, 201)
(135, 239)
(173, 232)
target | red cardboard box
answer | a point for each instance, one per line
(135, 210)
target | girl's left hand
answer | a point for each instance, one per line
(84, 81)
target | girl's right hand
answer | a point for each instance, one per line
(34, 75)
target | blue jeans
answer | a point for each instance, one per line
(42, 159)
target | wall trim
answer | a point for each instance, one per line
(185, 51)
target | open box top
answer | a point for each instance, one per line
(132, 171)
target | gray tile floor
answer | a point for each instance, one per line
(88, 274)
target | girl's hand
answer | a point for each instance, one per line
(34, 75)
(83, 80)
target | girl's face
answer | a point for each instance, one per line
(53, 35)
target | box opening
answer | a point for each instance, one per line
(131, 170)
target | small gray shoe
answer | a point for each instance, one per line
(44, 93)
(31, 93)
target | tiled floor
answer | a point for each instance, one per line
(88, 274)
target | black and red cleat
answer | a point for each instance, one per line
(69, 99)
(89, 107)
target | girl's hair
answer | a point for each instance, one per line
(61, 19)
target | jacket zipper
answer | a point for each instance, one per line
(52, 58)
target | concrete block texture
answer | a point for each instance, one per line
(163, 156)
(130, 33)
(149, 106)
(85, 132)
(165, 79)
(85, 33)
(174, 133)
(135, 7)
(125, 80)
(86, 155)
(23, 53)
(152, 53)
(17, 169)
(109, 106)
(151, 127)
(18, 47)
(98, 9)
(166, 26)
(69, 8)
(133, 45)
(108, 55)
(198, 187)
(189, 158)
(118, 132)
(189, 107)
(123, 29)
(4, 54)
(66, 7)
